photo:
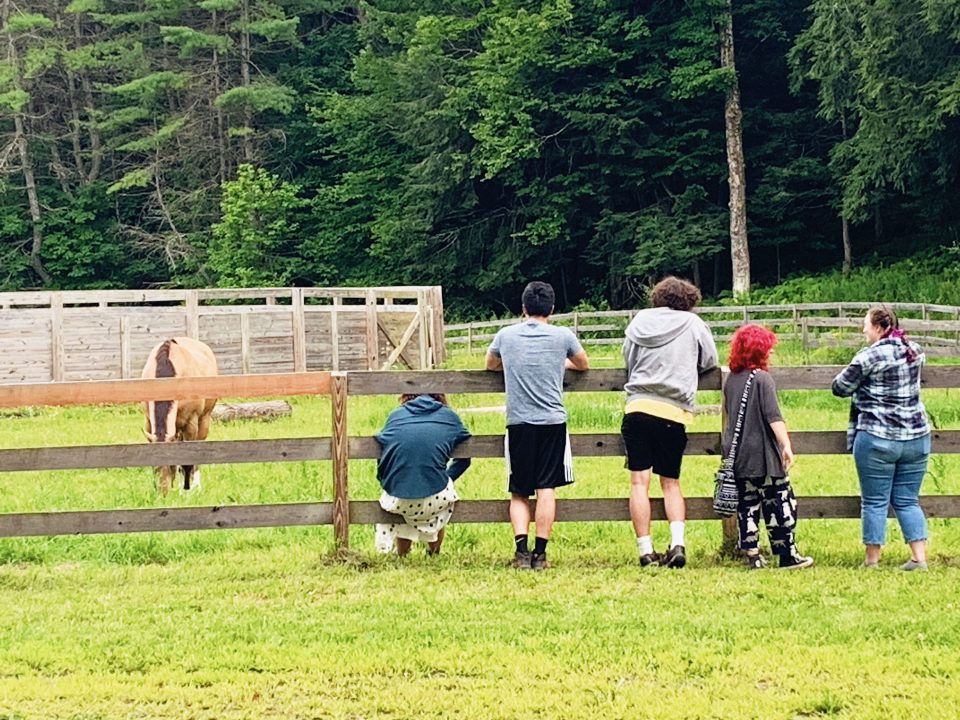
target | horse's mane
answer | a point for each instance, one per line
(161, 408)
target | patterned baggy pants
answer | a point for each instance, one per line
(775, 499)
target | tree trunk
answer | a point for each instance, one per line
(245, 58)
(733, 116)
(845, 224)
(26, 165)
(221, 129)
(847, 248)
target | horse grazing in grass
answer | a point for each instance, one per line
(172, 420)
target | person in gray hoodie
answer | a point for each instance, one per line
(667, 347)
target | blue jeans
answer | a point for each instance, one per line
(890, 474)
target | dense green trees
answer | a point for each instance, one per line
(473, 144)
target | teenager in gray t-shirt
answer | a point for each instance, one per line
(533, 356)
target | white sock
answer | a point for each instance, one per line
(676, 533)
(645, 545)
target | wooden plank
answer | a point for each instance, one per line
(482, 381)
(207, 452)
(245, 344)
(339, 449)
(370, 333)
(299, 332)
(191, 310)
(618, 509)
(424, 358)
(335, 333)
(233, 517)
(126, 370)
(127, 391)
(230, 517)
(56, 337)
(438, 343)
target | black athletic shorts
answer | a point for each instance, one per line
(538, 458)
(653, 442)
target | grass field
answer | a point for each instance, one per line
(269, 624)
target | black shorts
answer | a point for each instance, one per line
(538, 458)
(653, 442)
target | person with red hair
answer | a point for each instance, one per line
(763, 454)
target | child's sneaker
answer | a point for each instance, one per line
(755, 562)
(795, 561)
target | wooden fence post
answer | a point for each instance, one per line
(372, 335)
(56, 337)
(299, 328)
(192, 307)
(335, 334)
(731, 531)
(339, 453)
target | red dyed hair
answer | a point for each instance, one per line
(750, 348)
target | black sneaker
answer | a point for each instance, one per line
(795, 561)
(539, 562)
(755, 562)
(521, 560)
(650, 560)
(676, 557)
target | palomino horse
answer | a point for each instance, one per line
(172, 420)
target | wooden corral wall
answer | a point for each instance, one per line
(105, 335)
(340, 448)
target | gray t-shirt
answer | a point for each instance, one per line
(758, 454)
(533, 355)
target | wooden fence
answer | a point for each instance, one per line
(936, 327)
(341, 448)
(107, 334)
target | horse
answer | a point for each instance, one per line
(173, 420)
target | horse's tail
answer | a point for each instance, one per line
(161, 408)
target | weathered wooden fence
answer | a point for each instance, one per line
(107, 334)
(340, 448)
(937, 327)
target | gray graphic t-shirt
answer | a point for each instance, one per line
(533, 355)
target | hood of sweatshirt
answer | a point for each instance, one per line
(422, 405)
(656, 327)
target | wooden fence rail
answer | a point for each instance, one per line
(815, 324)
(339, 448)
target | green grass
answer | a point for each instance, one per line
(269, 624)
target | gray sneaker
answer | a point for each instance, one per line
(911, 565)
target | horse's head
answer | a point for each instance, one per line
(161, 425)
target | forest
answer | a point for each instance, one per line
(474, 144)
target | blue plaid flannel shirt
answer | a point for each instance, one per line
(885, 387)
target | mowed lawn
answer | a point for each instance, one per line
(271, 624)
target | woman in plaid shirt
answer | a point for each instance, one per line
(888, 434)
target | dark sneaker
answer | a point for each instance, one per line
(521, 560)
(539, 562)
(795, 562)
(676, 557)
(650, 560)
(755, 562)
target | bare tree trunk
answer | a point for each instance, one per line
(847, 248)
(221, 131)
(245, 56)
(26, 165)
(733, 117)
(845, 224)
(96, 151)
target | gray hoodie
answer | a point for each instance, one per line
(665, 351)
